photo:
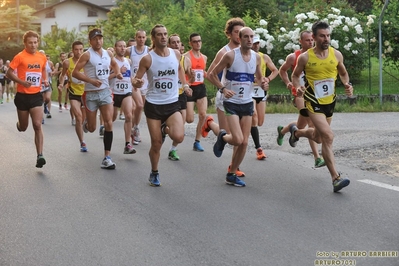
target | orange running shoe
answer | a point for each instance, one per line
(239, 173)
(205, 127)
(260, 155)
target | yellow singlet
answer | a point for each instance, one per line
(76, 87)
(320, 77)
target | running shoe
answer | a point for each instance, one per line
(84, 126)
(45, 109)
(197, 146)
(83, 147)
(154, 179)
(205, 127)
(163, 126)
(60, 109)
(40, 161)
(1, 101)
(280, 137)
(293, 140)
(220, 143)
(173, 156)
(132, 137)
(48, 115)
(136, 134)
(340, 183)
(73, 122)
(232, 179)
(101, 130)
(239, 173)
(260, 155)
(107, 163)
(319, 162)
(129, 149)
(121, 117)
(42, 121)
(66, 107)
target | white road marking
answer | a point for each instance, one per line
(379, 184)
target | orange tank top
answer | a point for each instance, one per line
(198, 66)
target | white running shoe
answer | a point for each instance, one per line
(107, 163)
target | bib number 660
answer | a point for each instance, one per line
(163, 85)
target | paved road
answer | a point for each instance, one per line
(71, 212)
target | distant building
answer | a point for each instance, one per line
(72, 14)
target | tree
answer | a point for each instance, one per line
(10, 34)
(60, 40)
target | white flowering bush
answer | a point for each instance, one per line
(347, 35)
(390, 33)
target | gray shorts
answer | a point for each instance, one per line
(94, 99)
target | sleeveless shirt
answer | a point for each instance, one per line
(163, 87)
(76, 86)
(240, 77)
(320, 76)
(122, 86)
(98, 67)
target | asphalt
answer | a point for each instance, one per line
(72, 212)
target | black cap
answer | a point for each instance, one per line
(95, 32)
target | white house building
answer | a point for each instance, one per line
(71, 14)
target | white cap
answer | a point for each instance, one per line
(256, 39)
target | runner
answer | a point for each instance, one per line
(96, 63)
(135, 53)
(306, 41)
(242, 65)
(199, 97)
(259, 97)
(31, 72)
(162, 99)
(122, 90)
(76, 89)
(231, 30)
(175, 43)
(321, 64)
(56, 73)
(3, 71)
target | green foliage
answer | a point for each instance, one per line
(60, 40)
(390, 32)
(207, 20)
(10, 35)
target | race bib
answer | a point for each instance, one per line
(163, 85)
(121, 85)
(102, 72)
(2, 75)
(242, 89)
(198, 75)
(324, 88)
(34, 78)
(258, 92)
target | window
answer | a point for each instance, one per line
(91, 13)
(50, 14)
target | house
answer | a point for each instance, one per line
(71, 14)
